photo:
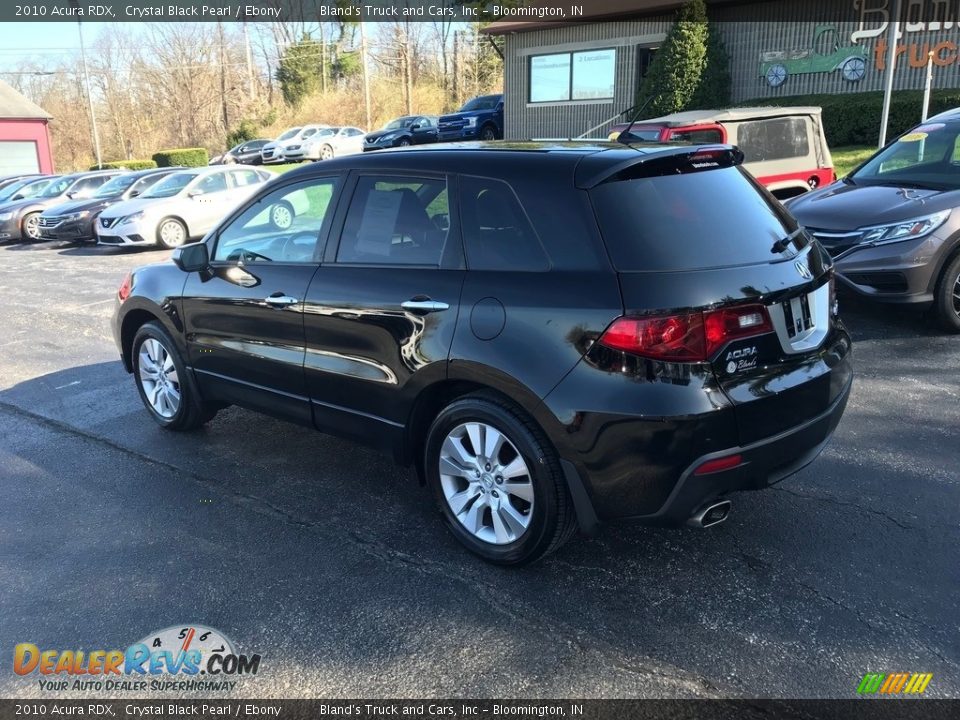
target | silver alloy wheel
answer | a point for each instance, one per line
(172, 233)
(326, 152)
(31, 226)
(281, 216)
(158, 378)
(486, 483)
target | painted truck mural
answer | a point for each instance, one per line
(825, 55)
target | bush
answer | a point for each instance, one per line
(714, 88)
(126, 165)
(854, 119)
(190, 157)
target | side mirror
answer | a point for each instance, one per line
(134, 193)
(194, 194)
(192, 258)
(72, 194)
(415, 126)
(18, 196)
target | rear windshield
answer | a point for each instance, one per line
(692, 221)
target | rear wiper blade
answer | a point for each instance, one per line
(782, 244)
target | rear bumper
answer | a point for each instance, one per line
(764, 463)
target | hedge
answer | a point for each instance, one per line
(126, 165)
(854, 119)
(189, 157)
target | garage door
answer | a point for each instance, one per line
(18, 156)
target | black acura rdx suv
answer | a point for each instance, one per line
(555, 335)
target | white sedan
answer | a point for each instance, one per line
(182, 206)
(326, 144)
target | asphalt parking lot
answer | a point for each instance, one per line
(332, 564)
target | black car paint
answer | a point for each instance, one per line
(629, 430)
(425, 133)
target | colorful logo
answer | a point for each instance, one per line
(894, 683)
(179, 650)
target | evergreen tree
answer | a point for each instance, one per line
(678, 64)
(714, 89)
(299, 71)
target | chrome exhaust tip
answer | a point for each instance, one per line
(710, 514)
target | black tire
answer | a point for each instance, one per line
(488, 133)
(192, 412)
(29, 230)
(403, 142)
(327, 153)
(552, 517)
(168, 244)
(946, 302)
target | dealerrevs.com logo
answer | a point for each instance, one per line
(180, 657)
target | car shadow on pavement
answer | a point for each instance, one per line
(349, 551)
(88, 249)
(883, 321)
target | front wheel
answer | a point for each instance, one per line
(488, 133)
(326, 153)
(171, 233)
(166, 389)
(947, 298)
(30, 228)
(403, 142)
(497, 481)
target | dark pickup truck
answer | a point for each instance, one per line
(481, 118)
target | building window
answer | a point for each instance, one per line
(573, 76)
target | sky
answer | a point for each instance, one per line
(37, 40)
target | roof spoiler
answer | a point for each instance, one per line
(592, 170)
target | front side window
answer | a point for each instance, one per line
(57, 187)
(564, 77)
(115, 187)
(496, 232)
(210, 184)
(396, 221)
(144, 184)
(773, 139)
(283, 226)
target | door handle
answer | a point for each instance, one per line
(281, 300)
(424, 305)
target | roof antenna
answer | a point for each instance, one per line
(623, 137)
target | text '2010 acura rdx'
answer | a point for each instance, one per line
(555, 335)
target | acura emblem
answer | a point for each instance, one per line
(802, 269)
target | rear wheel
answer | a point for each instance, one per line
(498, 481)
(947, 299)
(165, 385)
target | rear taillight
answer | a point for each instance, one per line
(689, 337)
(124, 291)
(719, 465)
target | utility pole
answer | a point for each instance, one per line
(456, 67)
(86, 81)
(366, 79)
(894, 31)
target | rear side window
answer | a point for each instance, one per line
(396, 221)
(774, 139)
(496, 232)
(706, 219)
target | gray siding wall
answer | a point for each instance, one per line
(748, 29)
(524, 120)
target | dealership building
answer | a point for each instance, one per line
(24, 135)
(562, 78)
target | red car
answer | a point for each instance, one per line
(784, 148)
